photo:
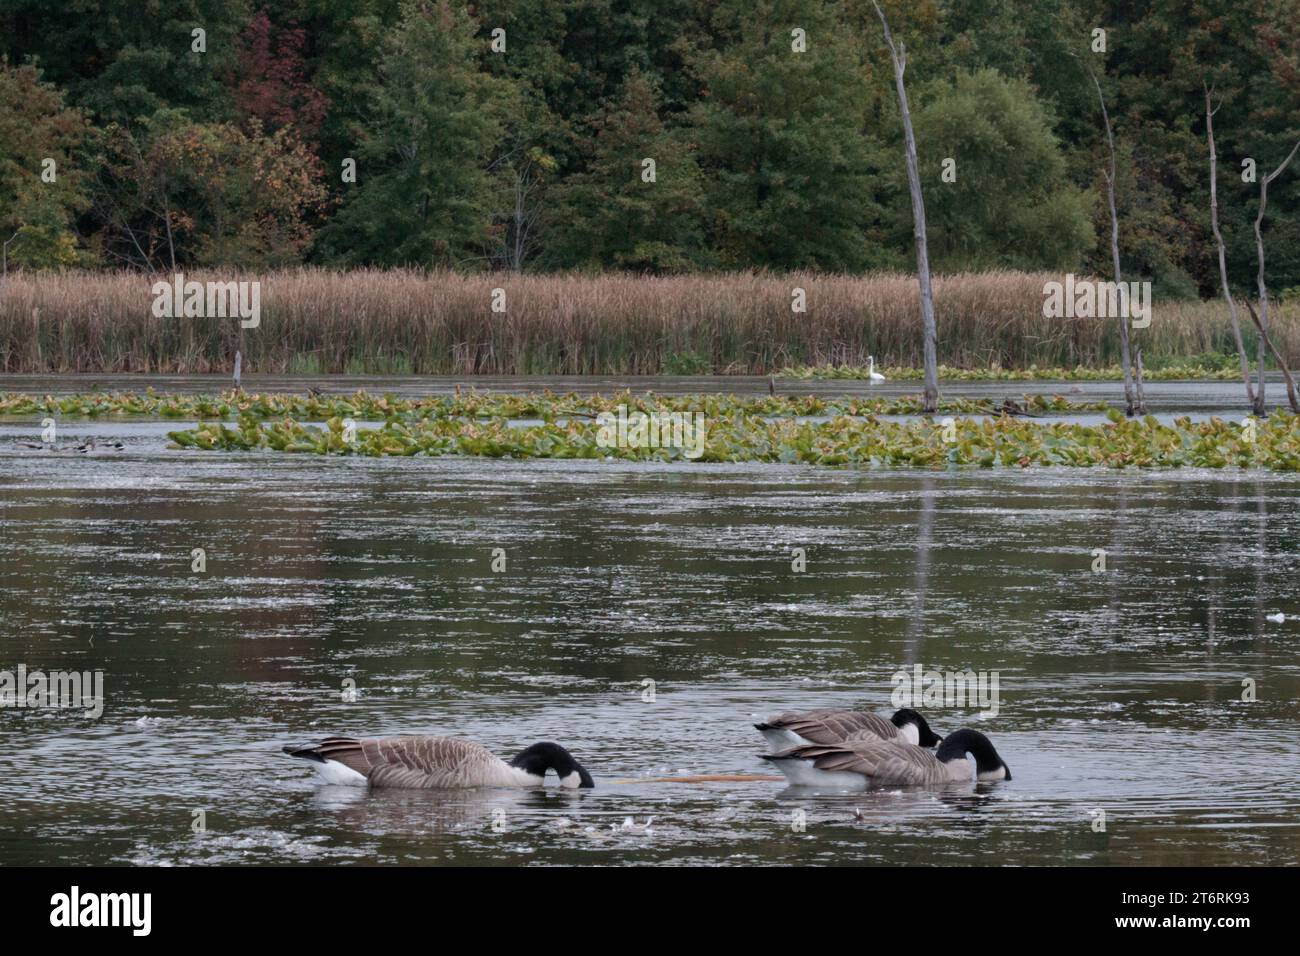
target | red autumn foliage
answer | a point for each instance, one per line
(270, 82)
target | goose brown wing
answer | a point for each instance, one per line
(832, 726)
(427, 762)
(900, 763)
(884, 761)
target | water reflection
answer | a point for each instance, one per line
(413, 812)
(920, 587)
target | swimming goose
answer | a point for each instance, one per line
(793, 729)
(86, 447)
(429, 763)
(865, 761)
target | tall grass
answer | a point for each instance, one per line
(442, 323)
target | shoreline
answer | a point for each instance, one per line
(1192, 395)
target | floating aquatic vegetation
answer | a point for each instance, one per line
(1273, 443)
(546, 406)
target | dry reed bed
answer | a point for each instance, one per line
(442, 323)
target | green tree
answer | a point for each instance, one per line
(122, 60)
(789, 171)
(39, 136)
(570, 58)
(568, 61)
(345, 40)
(1010, 204)
(426, 188)
(611, 216)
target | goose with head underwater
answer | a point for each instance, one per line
(795, 729)
(864, 762)
(431, 763)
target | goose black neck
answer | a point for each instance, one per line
(959, 743)
(542, 757)
(905, 716)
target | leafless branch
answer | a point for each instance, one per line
(1223, 260)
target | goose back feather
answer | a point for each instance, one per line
(830, 726)
(886, 762)
(797, 729)
(427, 763)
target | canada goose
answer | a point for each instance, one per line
(872, 374)
(792, 729)
(429, 763)
(859, 763)
(90, 446)
(87, 447)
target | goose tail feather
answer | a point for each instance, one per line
(305, 753)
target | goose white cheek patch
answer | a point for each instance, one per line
(572, 781)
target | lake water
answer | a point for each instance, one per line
(1119, 691)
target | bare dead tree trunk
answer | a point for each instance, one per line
(1134, 404)
(521, 227)
(1223, 258)
(899, 55)
(1262, 319)
(1281, 362)
(148, 259)
(167, 220)
(517, 239)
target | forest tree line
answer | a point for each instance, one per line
(514, 134)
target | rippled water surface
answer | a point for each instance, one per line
(1119, 691)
